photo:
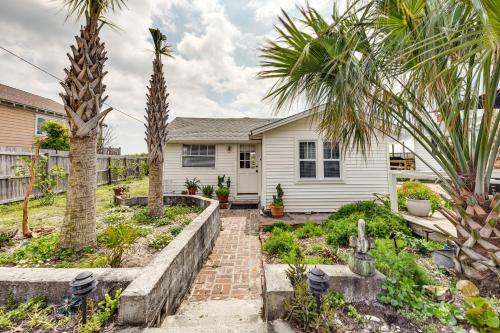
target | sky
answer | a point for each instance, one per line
(215, 43)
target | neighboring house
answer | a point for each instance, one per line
(260, 153)
(21, 116)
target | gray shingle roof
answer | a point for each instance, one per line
(14, 95)
(206, 129)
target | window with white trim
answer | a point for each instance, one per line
(307, 159)
(198, 156)
(331, 160)
(38, 125)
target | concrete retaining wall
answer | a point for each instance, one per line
(355, 288)
(159, 289)
(150, 291)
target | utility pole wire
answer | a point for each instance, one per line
(61, 81)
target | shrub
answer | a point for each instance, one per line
(280, 243)
(208, 191)
(399, 266)
(278, 225)
(419, 191)
(309, 230)
(159, 241)
(57, 135)
(118, 238)
(380, 222)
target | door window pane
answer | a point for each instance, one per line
(248, 157)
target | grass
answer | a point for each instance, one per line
(12, 214)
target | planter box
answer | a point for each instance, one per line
(149, 292)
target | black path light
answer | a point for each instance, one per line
(82, 286)
(317, 280)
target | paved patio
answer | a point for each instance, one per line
(234, 269)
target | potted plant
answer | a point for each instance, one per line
(208, 191)
(418, 199)
(277, 207)
(222, 194)
(121, 191)
(192, 185)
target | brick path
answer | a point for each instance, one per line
(234, 268)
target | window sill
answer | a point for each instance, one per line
(320, 181)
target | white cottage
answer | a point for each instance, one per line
(260, 153)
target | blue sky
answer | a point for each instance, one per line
(212, 75)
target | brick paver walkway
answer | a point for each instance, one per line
(234, 268)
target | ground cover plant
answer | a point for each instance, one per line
(35, 315)
(126, 236)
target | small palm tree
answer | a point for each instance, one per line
(430, 68)
(83, 98)
(156, 126)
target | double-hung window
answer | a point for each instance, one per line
(38, 125)
(331, 160)
(198, 156)
(307, 159)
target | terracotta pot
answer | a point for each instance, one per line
(223, 198)
(277, 211)
(192, 190)
(418, 207)
(119, 191)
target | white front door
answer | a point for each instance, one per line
(248, 169)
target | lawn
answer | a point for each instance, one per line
(11, 214)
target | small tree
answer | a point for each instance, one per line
(57, 135)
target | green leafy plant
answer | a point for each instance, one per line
(160, 240)
(56, 135)
(119, 238)
(380, 222)
(46, 179)
(278, 198)
(280, 243)
(13, 313)
(420, 245)
(114, 217)
(208, 191)
(175, 230)
(192, 183)
(105, 309)
(309, 230)
(222, 191)
(277, 225)
(482, 315)
(419, 191)
(117, 170)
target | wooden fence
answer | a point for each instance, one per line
(12, 187)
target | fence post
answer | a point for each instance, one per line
(125, 166)
(110, 176)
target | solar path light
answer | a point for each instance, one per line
(82, 286)
(317, 280)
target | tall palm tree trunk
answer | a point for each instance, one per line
(156, 125)
(155, 197)
(78, 229)
(83, 99)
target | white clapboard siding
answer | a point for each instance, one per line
(175, 174)
(360, 177)
(422, 154)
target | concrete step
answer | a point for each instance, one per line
(214, 328)
(223, 312)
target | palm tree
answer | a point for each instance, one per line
(156, 126)
(83, 98)
(430, 68)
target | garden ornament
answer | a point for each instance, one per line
(360, 262)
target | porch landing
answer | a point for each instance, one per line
(426, 226)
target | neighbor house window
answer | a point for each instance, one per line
(331, 159)
(198, 156)
(307, 159)
(38, 125)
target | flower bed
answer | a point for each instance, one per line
(417, 295)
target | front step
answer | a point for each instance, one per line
(224, 316)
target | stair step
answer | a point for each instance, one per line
(214, 328)
(223, 312)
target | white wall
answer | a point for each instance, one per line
(175, 174)
(360, 177)
(424, 154)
